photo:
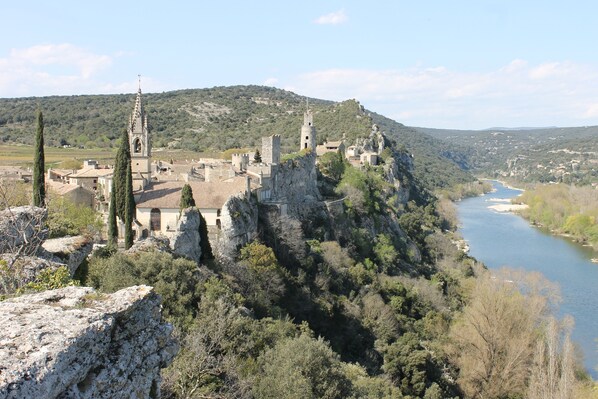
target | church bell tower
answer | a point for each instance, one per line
(139, 140)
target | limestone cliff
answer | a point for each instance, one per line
(71, 251)
(238, 226)
(186, 240)
(74, 343)
(296, 181)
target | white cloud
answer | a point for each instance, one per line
(49, 69)
(334, 18)
(518, 94)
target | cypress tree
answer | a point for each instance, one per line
(112, 227)
(206, 248)
(187, 197)
(257, 157)
(129, 208)
(39, 186)
(119, 180)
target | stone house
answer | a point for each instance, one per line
(158, 206)
(331, 146)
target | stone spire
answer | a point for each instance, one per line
(139, 139)
(138, 121)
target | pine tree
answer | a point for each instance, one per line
(187, 197)
(129, 207)
(119, 180)
(112, 226)
(39, 186)
(257, 157)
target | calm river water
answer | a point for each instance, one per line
(504, 239)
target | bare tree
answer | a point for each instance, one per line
(497, 333)
(553, 374)
(23, 231)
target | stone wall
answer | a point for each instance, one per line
(74, 343)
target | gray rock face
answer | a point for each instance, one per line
(186, 241)
(68, 250)
(149, 244)
(26, 268)
(295, 181)
(73, 343)
(239, 219)
(22, 229)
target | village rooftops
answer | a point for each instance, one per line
(207, 195)
(91, 173)
(61, 188)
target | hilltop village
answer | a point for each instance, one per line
(217, 184)
(331, 272)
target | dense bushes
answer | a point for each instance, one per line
(178, 281)
(564, 209)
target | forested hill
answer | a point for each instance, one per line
(568, 155)
(220, 118)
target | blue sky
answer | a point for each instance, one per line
(469, 64)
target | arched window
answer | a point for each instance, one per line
(136, 145)
(155, 219)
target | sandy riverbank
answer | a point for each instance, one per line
(507, 207)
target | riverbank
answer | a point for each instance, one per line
(500, 239)
(563, 210)
(508, 207)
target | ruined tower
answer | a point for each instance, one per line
(271, 149)
(139, 140)
(308, 131)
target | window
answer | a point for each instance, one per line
(137, 146)
(155, 219)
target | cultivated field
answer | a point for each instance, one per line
(22, 155)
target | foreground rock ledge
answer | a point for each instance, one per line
(75, 343)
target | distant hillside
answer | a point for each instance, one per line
(567, 155)
(220, 118)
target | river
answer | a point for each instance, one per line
(503, 239)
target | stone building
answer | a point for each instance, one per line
(240, 161)
(308, 132)
(139, 141)
(271, 149)
(158, 206)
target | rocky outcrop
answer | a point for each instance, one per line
(186, 241)
(375, 142)
(239, 225)
(22, 229)
(70, 251)
(150, 244)
(295, 181)
(74, 343)
(24, 269)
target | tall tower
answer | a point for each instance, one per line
(139, 140)
(308, 131)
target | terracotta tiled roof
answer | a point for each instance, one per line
(89, 173)
(62, 188)
(207, 195)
